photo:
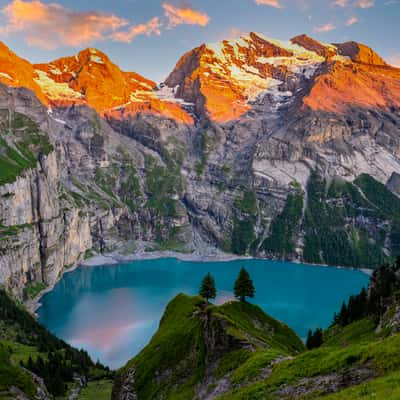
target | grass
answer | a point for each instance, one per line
(7, 231)
(96, 390)
(13, 375)
(33, 289)
(248, 319)
(251, 369)
(231, 362)
(21, 352)
(387, 387)
(357, 332)
(24, 339)
(382, 355)
(177, 346)
(23, 145)
(178, 354)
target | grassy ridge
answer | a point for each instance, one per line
(12, 375)
(195, 336)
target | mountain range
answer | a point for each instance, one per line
(252, 145)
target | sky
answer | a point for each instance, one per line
(149, 36)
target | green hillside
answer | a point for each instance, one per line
(28, 352)
(197, 344)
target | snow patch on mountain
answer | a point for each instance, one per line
(53, 89)
(5, 75)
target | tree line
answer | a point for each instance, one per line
(57, 362)
(372, 302)
(243, 287)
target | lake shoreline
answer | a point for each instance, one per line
(117, 257)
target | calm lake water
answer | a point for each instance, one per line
(113, 311)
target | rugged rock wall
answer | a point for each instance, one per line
(253, 146)
(87, 191)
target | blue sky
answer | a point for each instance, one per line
(149, 36)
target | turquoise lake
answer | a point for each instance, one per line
(113, 311)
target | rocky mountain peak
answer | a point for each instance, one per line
(225, 79)
(322, 49)
(229, 79)
(90, 77)
(17, 72)
(359, 53)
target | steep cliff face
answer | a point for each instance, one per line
(253, 145)
(69, 184)
(329, 110)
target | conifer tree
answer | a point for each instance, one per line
(314, 339)
(244, 286)
(207, 287)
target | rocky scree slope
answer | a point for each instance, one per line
(253, 145)
(236, 351)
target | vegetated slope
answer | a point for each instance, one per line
(358, 356)
(198, 345)
(236, 351)
(34, 363)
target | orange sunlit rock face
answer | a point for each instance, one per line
(222, 79)
(225, 80)
(152, 106)
(344, 86)
(89, 78)
(92, 78)
(17, 72)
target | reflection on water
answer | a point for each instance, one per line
(112, 311)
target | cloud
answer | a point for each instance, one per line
(340, 3)
(355, 3)
(325, 28)
(235, 33)
(394, 60)
(271, 3)
(153, 27)
(352, 21)
(184, 15)
(51, 25)
(365, 3)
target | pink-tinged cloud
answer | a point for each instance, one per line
(184, 15)
(365, 3)
(394, 60)
(153, 27)
(52, 25)
(352, 21)
(325, 28)
(354, 4)
(271, 3)
(341, 3)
